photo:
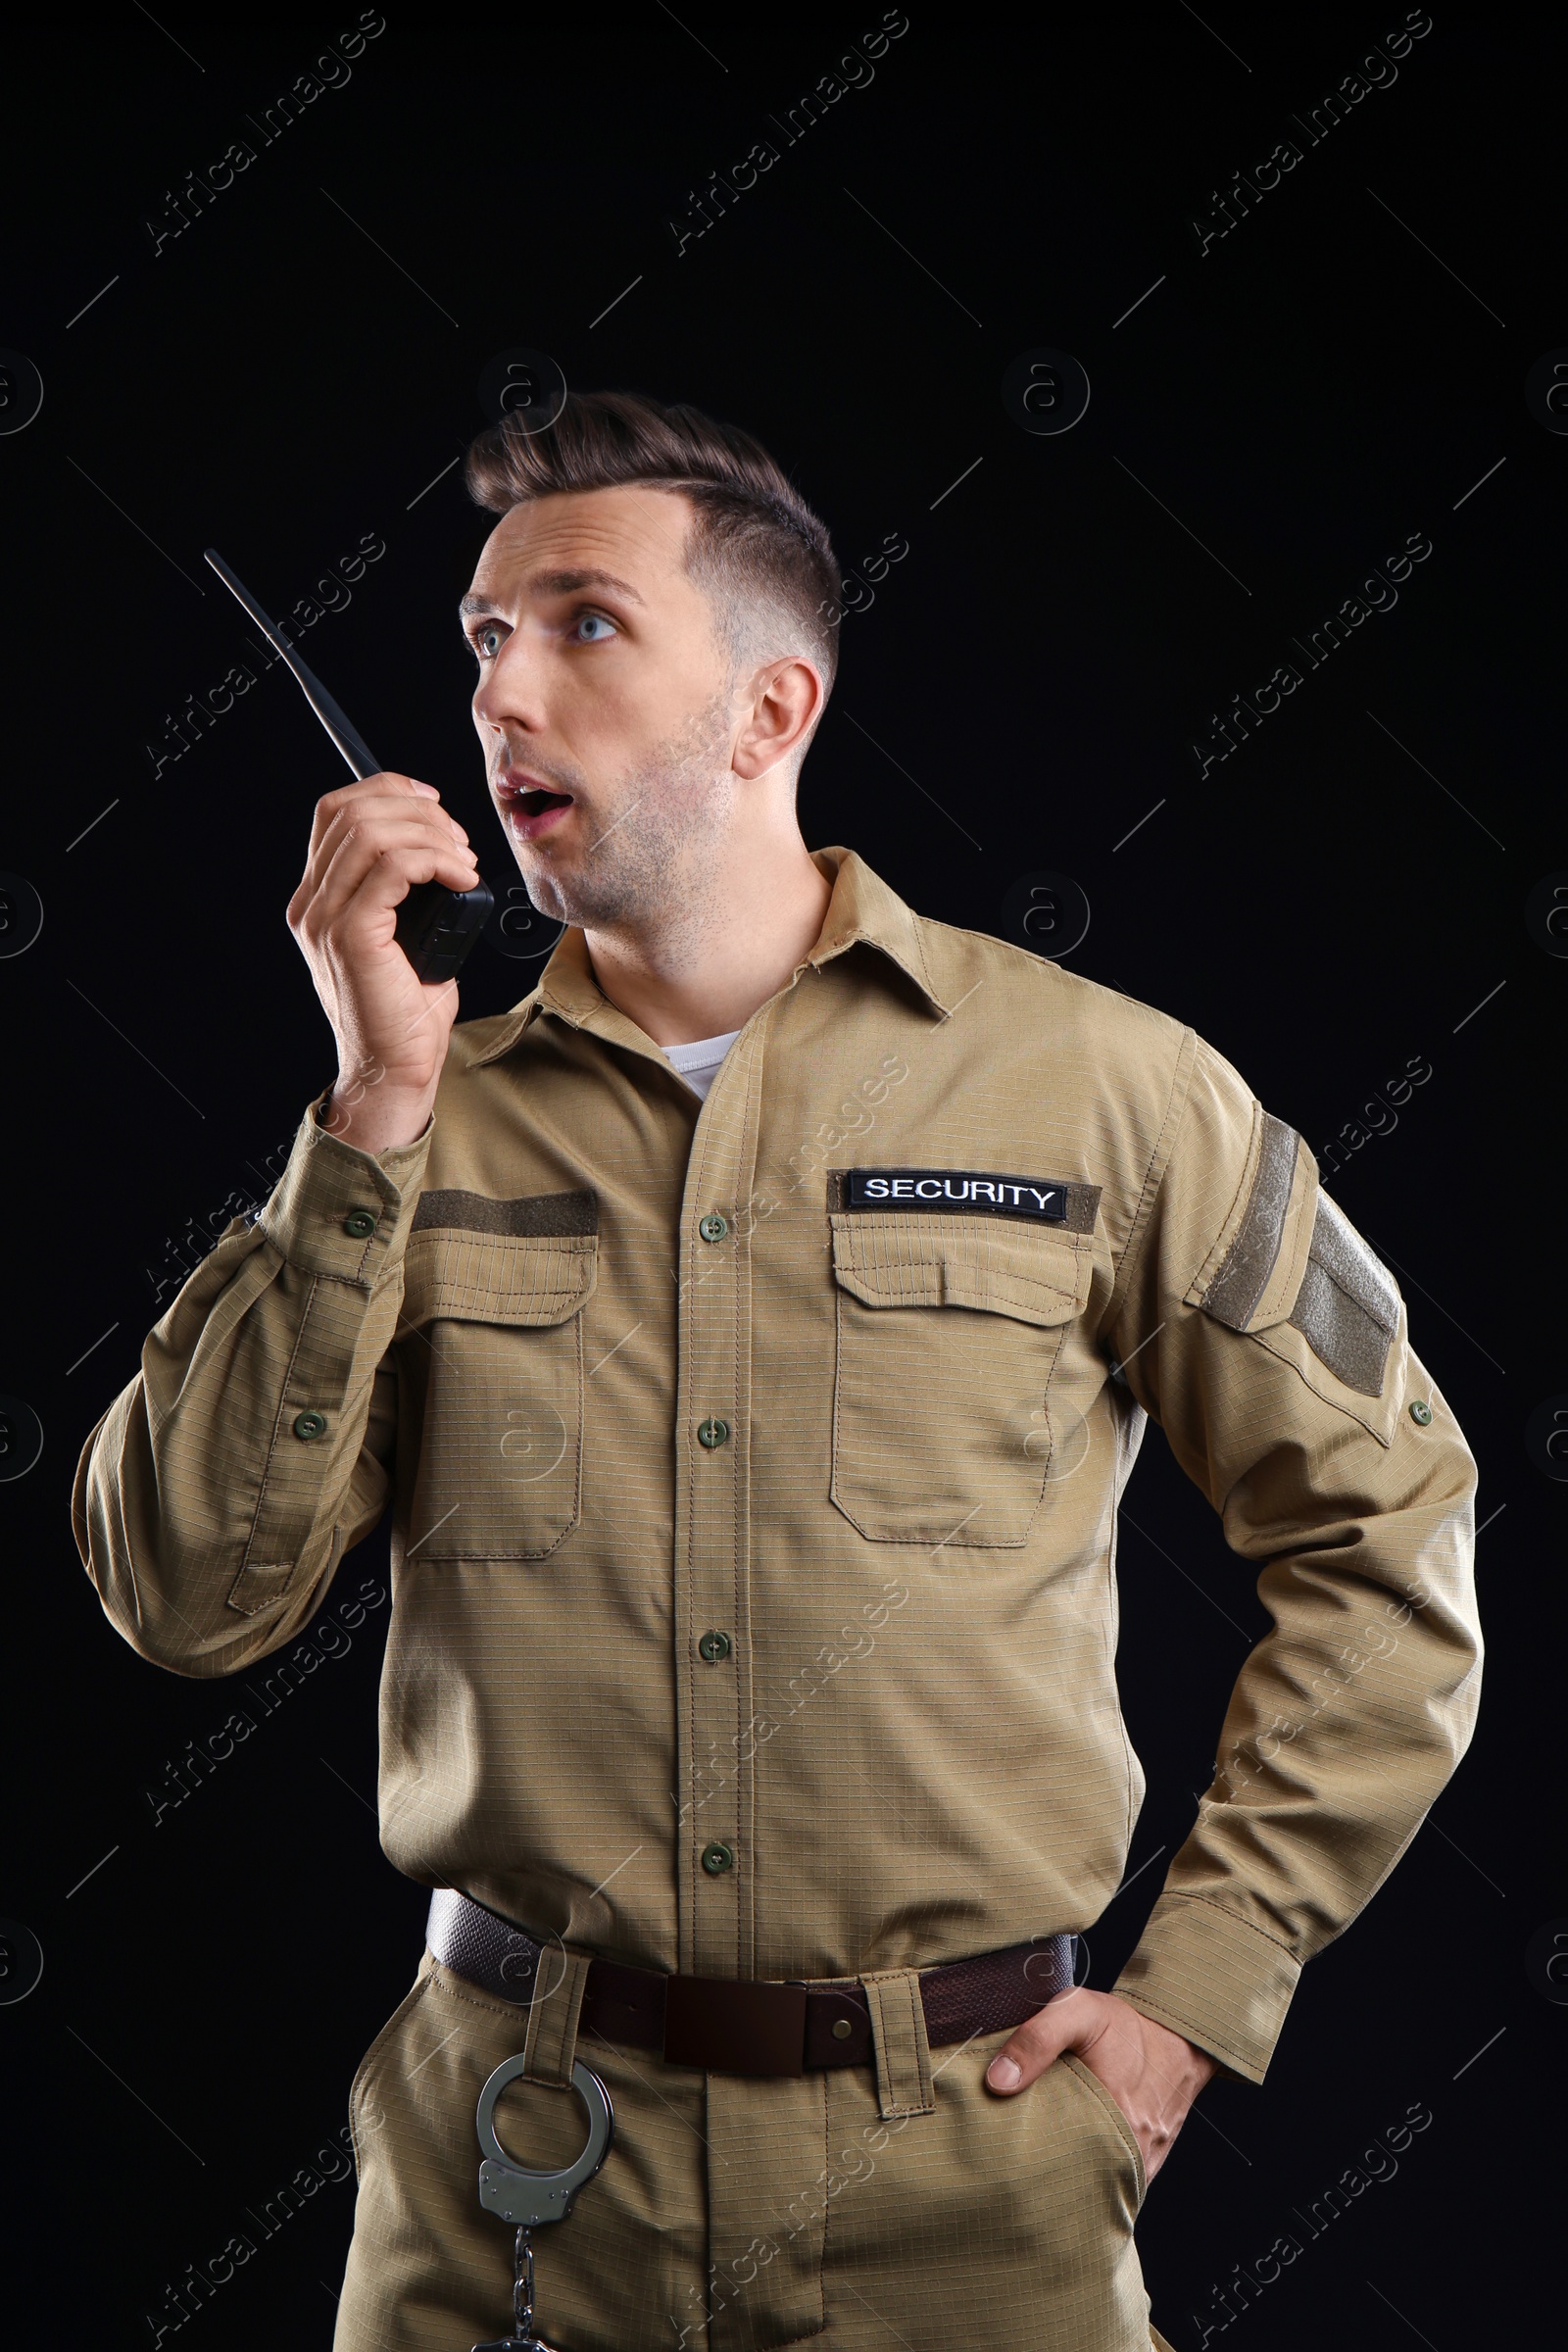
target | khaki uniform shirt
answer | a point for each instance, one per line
(754, 1469)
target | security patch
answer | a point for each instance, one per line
(966, 1192)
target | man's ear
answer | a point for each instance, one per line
(786, 701)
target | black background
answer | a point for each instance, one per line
(1325, 905)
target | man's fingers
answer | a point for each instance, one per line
(347, 861)
(379, 865)
(332, 805)
(380, 800)
(1063, 2024)
(362, 827)
(354, 803)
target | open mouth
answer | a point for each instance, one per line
(529, 808)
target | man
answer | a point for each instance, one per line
(753, 1332)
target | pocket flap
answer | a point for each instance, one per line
(467, 1277)
(951, 1262)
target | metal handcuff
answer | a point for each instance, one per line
(528, 2199)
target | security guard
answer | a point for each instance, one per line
(753, 1332)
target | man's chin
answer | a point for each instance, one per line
(545, 891)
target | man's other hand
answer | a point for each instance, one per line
(1153, 2074)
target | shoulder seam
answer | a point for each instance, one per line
(1046, 965)
(1175, 1107)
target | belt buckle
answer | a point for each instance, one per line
(735, 2026)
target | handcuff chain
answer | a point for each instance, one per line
(522, 2285)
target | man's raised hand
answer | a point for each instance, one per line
(370, 844)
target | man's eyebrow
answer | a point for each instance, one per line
(567, 584)
(556, 583)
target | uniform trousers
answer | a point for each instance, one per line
(736, 2212)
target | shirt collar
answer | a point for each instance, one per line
(862, 911)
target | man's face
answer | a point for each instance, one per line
(603, 702)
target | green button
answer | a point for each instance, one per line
(712, 1433)
(718, 1858)
(712, 1227)
(360, 1223)
(1420, 1414)
(309, 1425)
(713, 1646)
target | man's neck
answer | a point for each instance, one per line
(755, 926)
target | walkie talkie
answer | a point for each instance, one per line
(436, 928)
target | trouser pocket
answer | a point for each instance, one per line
(429, 2270)
(1126, 2150)
(1001, 2220)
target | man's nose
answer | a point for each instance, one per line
(512, 686)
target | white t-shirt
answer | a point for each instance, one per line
(698, 1063)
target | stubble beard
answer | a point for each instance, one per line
(648, 875)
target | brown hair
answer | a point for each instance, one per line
(755, 541)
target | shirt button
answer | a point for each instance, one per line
(712, 1433)
(360, 1223)
(718, 1858)
(712, 1227)
(1421, 1414)
(713, 1646)
(309, 1425)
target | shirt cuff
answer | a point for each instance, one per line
(341, 1211)
(1221, 1983)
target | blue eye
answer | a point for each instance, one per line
(595, 621)
(482, 636)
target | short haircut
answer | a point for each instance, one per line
(755, 549)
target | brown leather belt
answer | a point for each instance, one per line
(731, 2026)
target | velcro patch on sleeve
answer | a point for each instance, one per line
(1347, 1307)
(1237, 1288)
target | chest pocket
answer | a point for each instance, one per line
(490, 1352)
(949, 1332)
